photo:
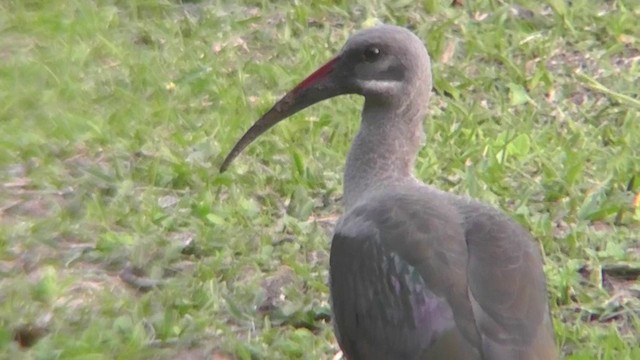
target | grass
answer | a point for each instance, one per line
(115, 115)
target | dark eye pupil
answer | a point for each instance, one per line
(371, 53)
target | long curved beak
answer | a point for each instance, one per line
(320, 85)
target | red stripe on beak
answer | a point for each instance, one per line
(323, 71)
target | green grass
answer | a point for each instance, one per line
(115, 115)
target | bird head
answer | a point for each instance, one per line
(385, 64)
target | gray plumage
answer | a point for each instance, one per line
(415, 272)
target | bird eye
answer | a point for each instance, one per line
(371, 54)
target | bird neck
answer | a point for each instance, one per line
(383, 152)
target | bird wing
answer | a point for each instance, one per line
(507, 287)
(398, 289)
(478, 272)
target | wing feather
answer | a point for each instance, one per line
(474, 273)
(507, 287)
(385, 307)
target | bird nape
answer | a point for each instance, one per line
(415, 272)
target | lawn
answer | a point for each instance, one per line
(119, 239)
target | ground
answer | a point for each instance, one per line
(119, 239)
